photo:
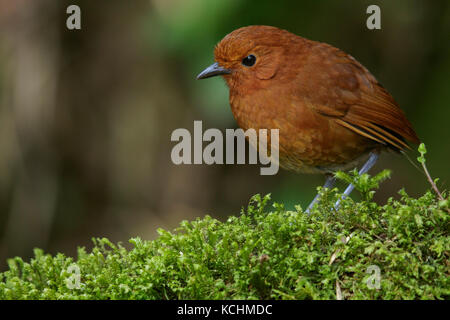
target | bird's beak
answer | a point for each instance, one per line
(212, 70)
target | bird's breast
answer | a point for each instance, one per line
(308, 141)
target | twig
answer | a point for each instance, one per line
(430, 180)
(433, 185)
(423, 150)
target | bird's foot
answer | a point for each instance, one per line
(330, 181)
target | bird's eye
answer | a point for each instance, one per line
(249, 60)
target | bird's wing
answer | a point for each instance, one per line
(356, 101)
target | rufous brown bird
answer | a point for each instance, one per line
(330, 110)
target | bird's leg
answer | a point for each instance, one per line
(329, 183)
(365, 168)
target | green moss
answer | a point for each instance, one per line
(266, 252)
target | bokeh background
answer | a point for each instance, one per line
(86, 116)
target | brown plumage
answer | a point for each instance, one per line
(329, 109)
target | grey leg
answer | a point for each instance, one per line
(366, 167)
(329, 183)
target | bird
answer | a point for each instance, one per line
(331, 112)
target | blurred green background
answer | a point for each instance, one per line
(86, 116)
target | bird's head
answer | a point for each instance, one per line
(249, 56)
